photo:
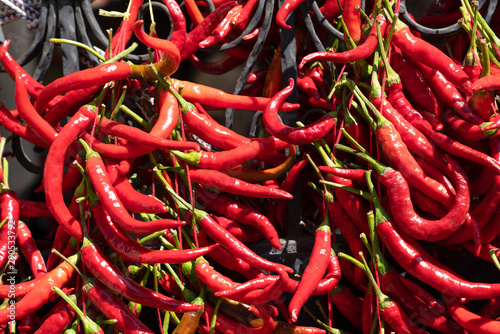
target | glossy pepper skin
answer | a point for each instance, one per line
(296, 136)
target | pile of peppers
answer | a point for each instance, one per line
(385, 140)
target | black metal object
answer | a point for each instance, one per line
(444, 31)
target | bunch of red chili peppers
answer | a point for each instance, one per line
(388, 144)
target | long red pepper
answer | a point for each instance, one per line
(12, 124)
(130, 250)
(106, 273)
(233, 245)
(96, 76)
(167, 49)
(315, 269)
(13, 68)
(59, 318)
(178, 36)
(239, 212)
(132, 199)
(296, 136)
(213, 97)
(140, 137)
(40, 295)
(360, 52)
(469, 320)
(422, 51)
(114, 308)
(226, 183)
(225, 160)
(54, 167)
(30, 115)
(203, 29)
(30, 250)
(99, 179)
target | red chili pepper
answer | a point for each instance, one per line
(244, 214)
(113, 307)
(315, 269)
(421, 51)
(360, 52)
(53, 171)
(296, 136)
(488, 82)
(168, 50)
(233, 245)
(106, 273)
(178, 36)
(469, 320)
(232, 19)
(14, 70)
(40, 295)
(416, 86)
(12, 124)
(285, 10)
(352, 18)
(226, 183)
(32, 209)
(132, 199)
(398, 153)
(30, 115)
(128, 249)
(225, 160)
(140, 137)
(286, 328)
(213, 97)
(103, 187)
(58, 319)
(204, 27)
(30, 250)
(96, 76)
(466, 130)
(331, 9)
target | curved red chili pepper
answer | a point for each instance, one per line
(469, 320)
(113, 307)
(29, 114)
(106, 273)
(54, 167)
(13, 68)
(130, 250)
(488, 82)
(58, 319)
(12, 124)
(226, 183)
(214, 97)
(40, 295)
(132, 199)
(296, 136)
(178, 36)
(360, 52)
(224, 160)
(466, 130)
(242, 213)
(233, 245)
(286, 9)
(168, 50)
(96, 76)
(99, 179)
(419, 50)
(143, 138)
(221, 66)
(30, 250)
